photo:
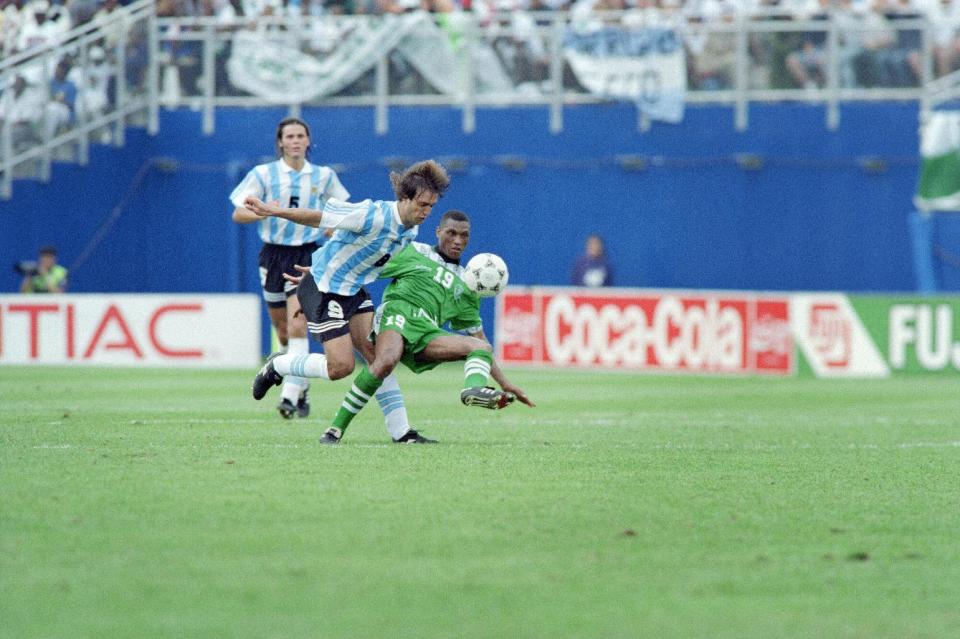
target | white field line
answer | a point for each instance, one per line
(666, 446)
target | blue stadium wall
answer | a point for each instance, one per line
(785, 205)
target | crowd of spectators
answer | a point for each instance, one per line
(875, 49)
(46, 95)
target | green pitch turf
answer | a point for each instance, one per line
(170, 504)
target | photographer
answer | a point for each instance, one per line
(45, 276)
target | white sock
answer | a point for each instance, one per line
(309, 365)
(292, 384)
(391, 403)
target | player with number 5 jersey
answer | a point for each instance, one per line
(290, 181)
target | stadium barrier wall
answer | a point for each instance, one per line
(786, 205)
(130, 330)
(728, 332)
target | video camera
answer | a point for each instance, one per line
(27, 268)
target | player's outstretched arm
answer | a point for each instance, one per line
(505, 384)
(307, 217)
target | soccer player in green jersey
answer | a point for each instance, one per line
(427, 292)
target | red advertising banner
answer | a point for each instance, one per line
(205, 331)
(664, 331)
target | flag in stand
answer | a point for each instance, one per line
(939, 188)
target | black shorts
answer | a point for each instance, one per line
(275, 260)
(328, 314)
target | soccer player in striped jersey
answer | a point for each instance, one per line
(427, 292)
(294, 182)
(338, 309)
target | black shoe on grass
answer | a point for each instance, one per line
(303, 406)
(413, 437)
(332, 436)
(266, 377)
(286, 409)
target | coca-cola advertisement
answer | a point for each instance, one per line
(663, 331)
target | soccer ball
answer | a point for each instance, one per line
(486, 274)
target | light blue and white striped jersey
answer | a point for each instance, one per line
(276, 181)
(367, 234)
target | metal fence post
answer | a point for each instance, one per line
(469, 77)
(120, 127)
(741, 108)
(6, 149)
(153, 73)
(83, 144)
(49, 133)
(209, 78)
(383, 90)
(556, 73)
(833, 74)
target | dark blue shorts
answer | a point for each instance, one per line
(274, 261)
(328, 314)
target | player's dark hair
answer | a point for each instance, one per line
(428, 175)
(455, 215)
(48, 250)
(286, 122)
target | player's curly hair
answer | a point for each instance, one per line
(428, 175)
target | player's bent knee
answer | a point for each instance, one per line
(338, 370)
(380, 368)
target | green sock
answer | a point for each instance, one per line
(476, 370)
(364, 387)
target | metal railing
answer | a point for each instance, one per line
(457, 60)
(42, 131)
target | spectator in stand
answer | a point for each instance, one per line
(909, 40)
(184, 54)
(92, 82)
(945, 17)
(35, 29)
(82, 11)
(880, 63)
(808, 64)
(21, 107)
(60, 110)
(712, 55)
(61, 19)
(592, 268)
(10, 19)
(107, 14)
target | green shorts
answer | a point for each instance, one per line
(417, 328)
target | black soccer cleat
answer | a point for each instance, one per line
(413, 437)
(303, 405)
(266, 377)
(286, 408)
(332, 436)
(486, 397)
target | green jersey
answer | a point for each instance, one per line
(424, 279)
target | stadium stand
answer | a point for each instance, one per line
(126, 63)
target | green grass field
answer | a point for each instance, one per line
(170, 504)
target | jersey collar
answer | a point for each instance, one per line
(286, 168)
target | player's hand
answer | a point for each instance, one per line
(296, 279)
(516, 390)
(258, 207)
